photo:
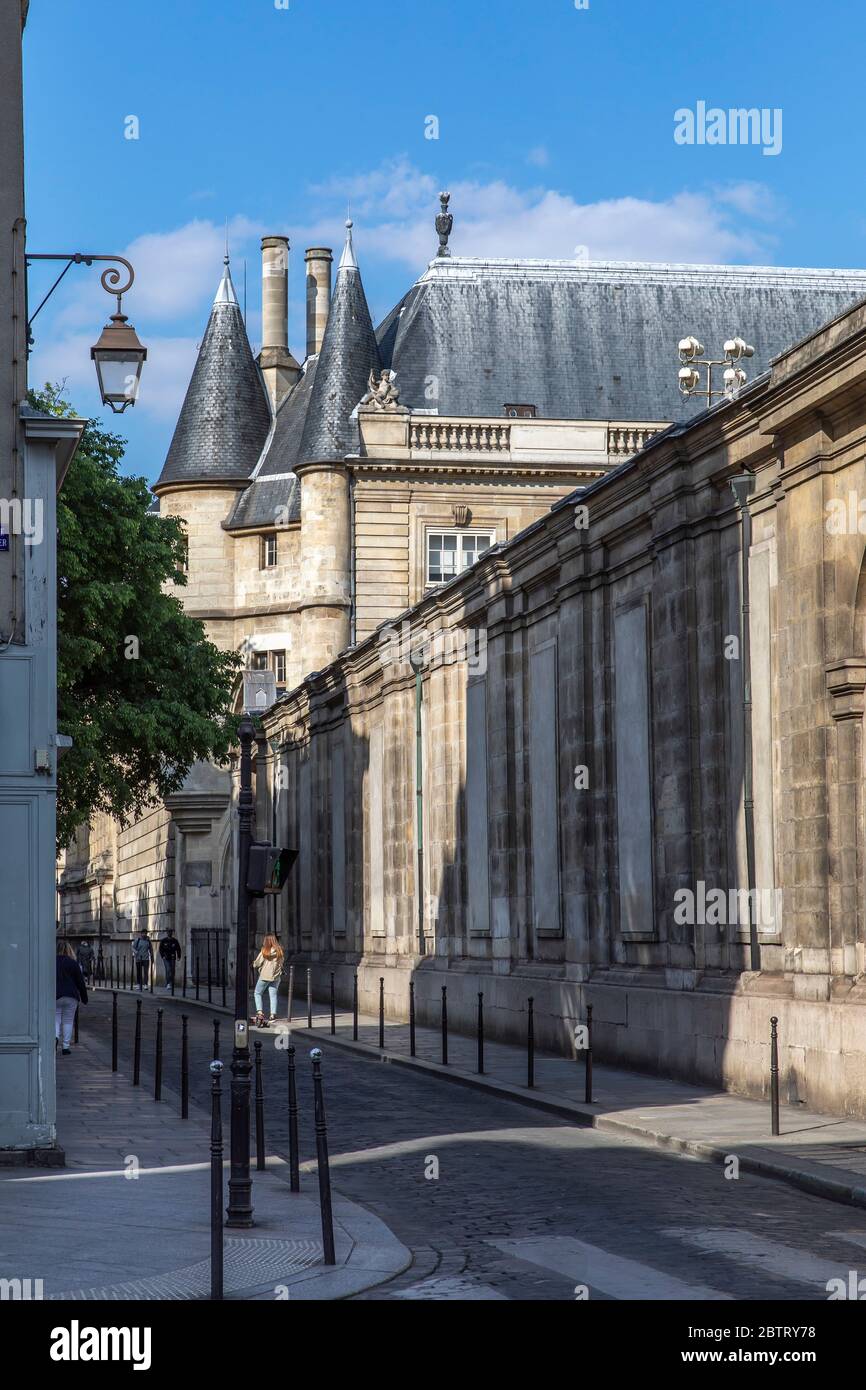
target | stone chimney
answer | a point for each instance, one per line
(318, 260)
(279, 368)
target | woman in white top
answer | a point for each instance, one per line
(269, 963)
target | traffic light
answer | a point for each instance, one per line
(269, 868)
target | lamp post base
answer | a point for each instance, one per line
(239, 1212)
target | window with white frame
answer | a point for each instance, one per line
(449, 553)
(269, 552)
(270, 661)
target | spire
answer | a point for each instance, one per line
(347, 260)
(226, 291)
(348, 355)
(225, 417)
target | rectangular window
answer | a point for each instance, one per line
(449, 553)
(269, 552)
(278, 662)
(259, 661)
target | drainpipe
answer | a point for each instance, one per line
(416, 660)
(742, 488)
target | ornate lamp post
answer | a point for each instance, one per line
(118, 354)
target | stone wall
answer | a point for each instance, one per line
(583, 820)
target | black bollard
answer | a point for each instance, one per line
(481, 1035)
(774, 1075)
(588, 1088)
(136, 1048)
(294, 1164)
(322, 1161)
(291, 994)
(184, 977)
(184, 1068)
(124, 972)
(309, 999)
(530, 1043)
(381, 1011)
(260, 1112)
(216, 1185)
(333, 1013)
(209, 1000)
(411, 1018)
(223, 977)
(444, 1025)
(355, 1008)
(114, 1031)
(216, 1040)
(197, 977)
(150, 974)
(157, 1071)
(75, 1026)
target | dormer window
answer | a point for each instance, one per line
(521, 412)
(268, 558)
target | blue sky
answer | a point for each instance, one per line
(556, 130)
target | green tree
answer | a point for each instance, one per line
(140, 690)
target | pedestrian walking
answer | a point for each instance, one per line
(269, 963)
(169, 953)
(70, 992)
(85, 957)
(142, 954)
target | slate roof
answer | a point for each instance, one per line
(225, 417)
(273, 483)
(349, 353)
(591, 340)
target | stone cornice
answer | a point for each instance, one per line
(195, 812)
(846, 684)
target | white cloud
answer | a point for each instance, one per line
(175, 272)
(394, 207)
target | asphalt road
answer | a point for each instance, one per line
(497, 1200)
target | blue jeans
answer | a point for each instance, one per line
(261, 986)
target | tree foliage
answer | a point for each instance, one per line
(141, 691)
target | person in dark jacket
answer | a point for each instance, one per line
(84, 956)
(71, 991)
(142, 954)
(169, 951)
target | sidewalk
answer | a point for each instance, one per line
(817, 1153)
(129, 1217)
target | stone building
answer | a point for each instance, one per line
(35, 451)
(491, 476)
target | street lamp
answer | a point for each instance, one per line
(119, 357)
(118, 354)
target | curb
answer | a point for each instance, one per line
(763, 1162)
(807, 1177)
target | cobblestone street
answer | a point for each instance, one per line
(524, 1206)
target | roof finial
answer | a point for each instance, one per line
(347, 260)
(226, 256)
(444, 223)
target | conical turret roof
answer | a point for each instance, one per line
(225, 417)
(349, 353)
